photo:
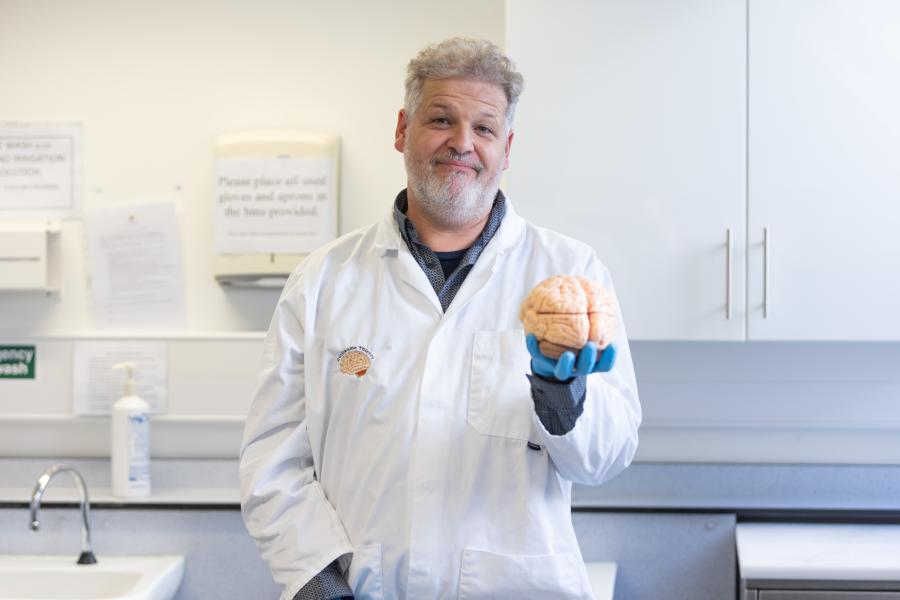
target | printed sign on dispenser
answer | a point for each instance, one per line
(274, 205)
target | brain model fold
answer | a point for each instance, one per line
(565, 311)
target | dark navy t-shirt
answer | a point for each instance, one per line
(449, 260)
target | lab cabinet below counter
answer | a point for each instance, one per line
(814, 561)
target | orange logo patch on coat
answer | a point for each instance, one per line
(355, 360)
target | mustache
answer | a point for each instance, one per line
(454, 156)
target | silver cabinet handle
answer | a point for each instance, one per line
(728, 273)
(765, 272)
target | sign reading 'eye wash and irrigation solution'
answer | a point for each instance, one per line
(17, 362)
(40, 170)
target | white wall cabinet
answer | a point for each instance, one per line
(631, 137)
(647, 135)
(824, 169)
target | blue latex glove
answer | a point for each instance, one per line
(589, 360)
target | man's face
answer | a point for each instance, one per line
(456, 146)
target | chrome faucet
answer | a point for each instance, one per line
(87, 554)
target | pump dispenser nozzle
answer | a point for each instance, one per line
(129, 376)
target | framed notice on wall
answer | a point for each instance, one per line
(40, 171)
(275, 199)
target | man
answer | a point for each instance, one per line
(397, 446)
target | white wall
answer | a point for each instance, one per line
(210, 383)
(154, 83)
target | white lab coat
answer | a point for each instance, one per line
(420, 470)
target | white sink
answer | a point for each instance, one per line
(112, 578)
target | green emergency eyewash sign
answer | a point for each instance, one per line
(17, 362)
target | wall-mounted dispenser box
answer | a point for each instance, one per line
(29, 256)
(275, 199)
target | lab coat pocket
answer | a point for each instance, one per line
(485, 575)
(365, 574)
(499, 392)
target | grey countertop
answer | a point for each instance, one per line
(643, 486)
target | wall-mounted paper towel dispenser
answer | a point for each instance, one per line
(29, 256)
(275, 200)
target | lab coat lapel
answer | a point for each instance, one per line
(391, 247)
(508, 235)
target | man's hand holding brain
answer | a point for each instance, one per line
(569, 323)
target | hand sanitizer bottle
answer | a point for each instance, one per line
(130, 441)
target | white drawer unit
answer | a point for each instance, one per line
(822, 595)
(818, 561)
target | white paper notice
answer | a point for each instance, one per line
(96, 386)
(274, 205)
(137, 279)
(40, 171)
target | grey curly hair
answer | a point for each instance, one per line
(465, 58)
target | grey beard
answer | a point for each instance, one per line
(441, 205)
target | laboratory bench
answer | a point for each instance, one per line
(672, 530)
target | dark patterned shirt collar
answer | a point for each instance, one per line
(446, 288)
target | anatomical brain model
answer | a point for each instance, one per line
(565, 311)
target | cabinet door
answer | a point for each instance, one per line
(662, 556)
(630, 135)
(824, 169)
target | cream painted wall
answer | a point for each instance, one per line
(154, 83)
